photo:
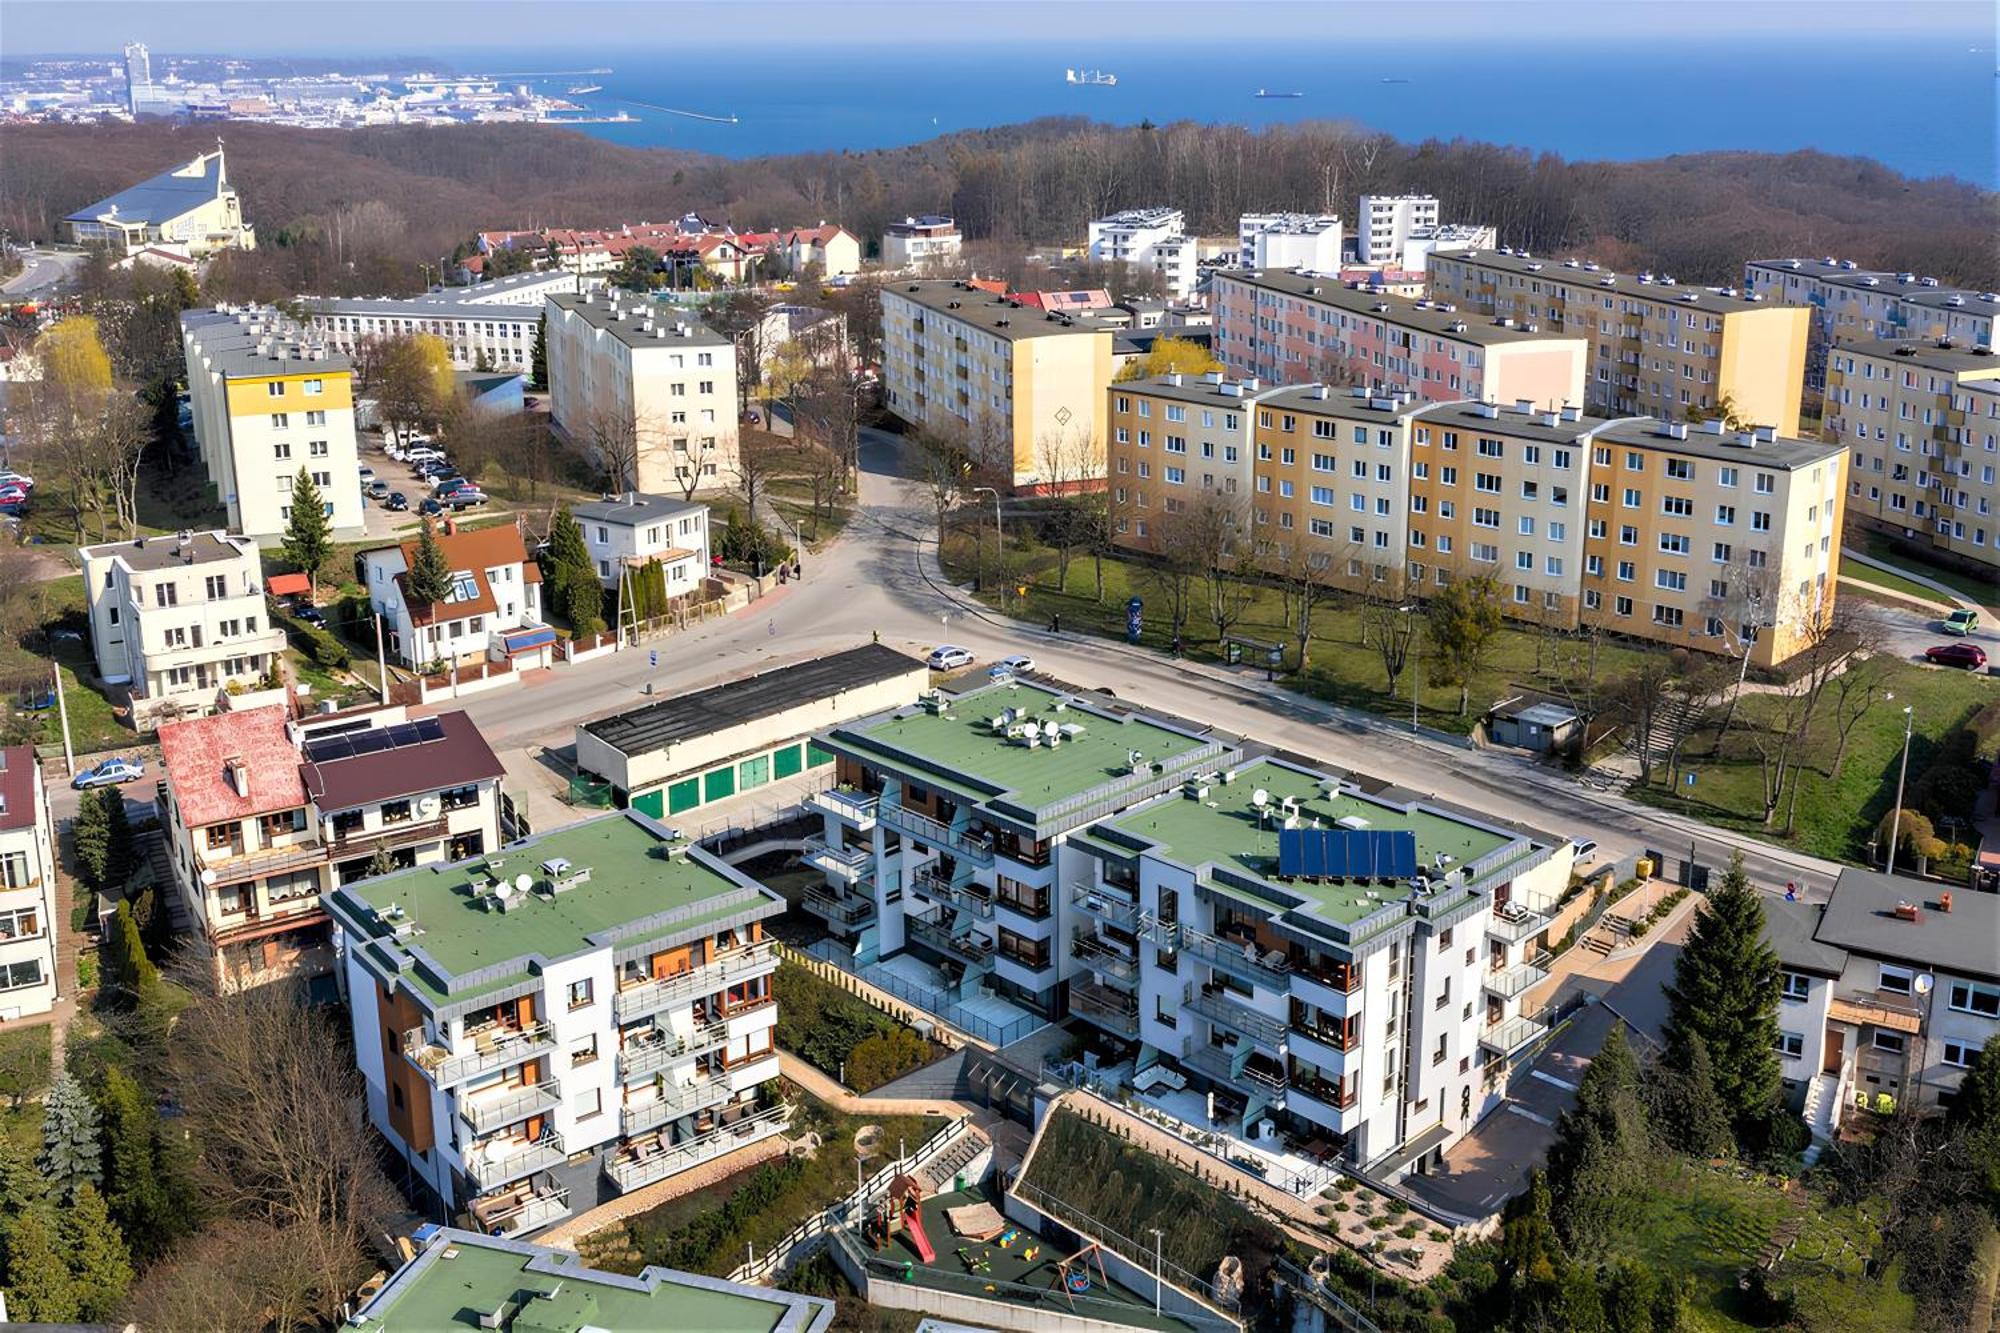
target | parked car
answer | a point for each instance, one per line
(10, 494)
(11, 478)
(367, 474)
(466, 499)
(430, 508)
(948, 657)
(1585, 848)
(1008, 667)
(423, 453)
(397, 501)
(378, 489)
(1968, 655)
(110, 773)
(312, 615)
(1961, 622)
(450, 485)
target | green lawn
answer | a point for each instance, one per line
(1966, 585)
(1882, 578)
(168, 502)
(93, 725)
(1837, 811)
(792, 497)
(1342, 670)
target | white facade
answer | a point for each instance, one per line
(1289, 240)
(1387, 220)
(926, 242)
(29, 915)
(636, 529)
(1148, 238)
(1423, 242)
(178, 619)
(495, 589)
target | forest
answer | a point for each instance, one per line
(360, 211)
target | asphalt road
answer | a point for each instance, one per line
(41, 272)
(881, 578)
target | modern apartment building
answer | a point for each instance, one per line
(1921, 419)
(584, 1013)
(1423, 242)
(649, 390)
(1891, 988)
(921, 242)
(1289, 241)
(1025, 388)
(628, 532)
(493, 609)
(1386, 221)
(1299, 328)
(177, 620)
(493, 323)
(264, 814)
(30, 914)
(1153, 239)
(1657, 347)
(189, 210)
(1853, 304)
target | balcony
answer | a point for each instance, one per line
(967, 945)
(363, 842)
(498, 1161)
(1512, 981)
(1104, 958)
(635, 1165)
(1514, 923)
(1103, 906)
(852, 864)
(1105, 1007)
(1865, 1011)
(1239, 958)
(673, 1102)
(485, 1111)
(650, 997)
(1231, 1016)
(853, 807)
(968, 896)
(837, 909)
(232, 864)
(520, 1211)
(640, 1058)
(925, 829)
(1235, 1068)
(492, 1048)
(1504, 1039)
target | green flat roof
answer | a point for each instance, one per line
(959, 752)
(482, 1275)
(629, 882)
(1226, 833)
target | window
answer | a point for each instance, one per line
(1894, 980)
(396, 812)
(580, 994)
(1961, 1053)
(19, 976)
(1972, 998)
(464, 587)
(280, 420)
(1791, 1045)
(1888, 1041)
(1796, 985)
(282, 451)
(23, 924)
(588, 1103)
(583, 1053)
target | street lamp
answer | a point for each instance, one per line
(1896, 821)
(1158, 1270)
(1416, 653)
(999, 540)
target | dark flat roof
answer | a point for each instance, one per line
(1861, 917)
(658, 725)
(17, 787)
(1788, 929)
(151, 554)
(415, 757)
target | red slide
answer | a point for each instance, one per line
(913, 1226)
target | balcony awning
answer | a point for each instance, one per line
(1411, 1150)
(1869, 1013)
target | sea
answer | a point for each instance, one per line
(1924, 107)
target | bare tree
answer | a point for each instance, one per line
(758, 460)
(693, 455)
(1217, 523)
(1831, 640)
(1855, 691)
(1306, 578)
(943, 468)
(1063, 462)
(1390, 621)
(1639, 696)
(205, 1283)
(613, 437)
(989, 447)
(1742, 605)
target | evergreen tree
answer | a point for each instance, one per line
(21, 1182)
(429, 579)
(1725, 991)
(567, 552)
(1976, 1108)
(120, 852)
(145, 1185)
(1686, 1113)
(98, 1260)
(40, 1287)
(72, 1154)
(538, 357)
(131, 968)
(308, 539)
(92, 833)
(1599, 1150)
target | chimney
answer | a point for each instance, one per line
(237, 773)
(1524, 405)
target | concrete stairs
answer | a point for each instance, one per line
(1821, 1113)
(944, 1080)
(938, 1174)
(156, 864)
(1673, 718)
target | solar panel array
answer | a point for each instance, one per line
(374, 740)
(1338, 853)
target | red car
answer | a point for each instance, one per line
(1968, 655)
(11, 494)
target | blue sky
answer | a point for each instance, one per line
(419, 27)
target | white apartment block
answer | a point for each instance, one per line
(493, 322)
(1890, 989)
(1308, 241)
(586, 1013)
(1327, 962)
(269, 400)
(649, 390)
(492, 611)
(264, 814)
(30, 914)
(1850, 303)
(179, 619)
(1148, 238)
(626, 533)
(1385, 223)
(928, 242)
(1423, 242)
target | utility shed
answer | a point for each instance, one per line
(1540, 725)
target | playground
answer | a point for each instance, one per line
(988, 1256)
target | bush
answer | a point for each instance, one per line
(318, 645)
(829, 1028)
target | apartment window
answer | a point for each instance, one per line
(1032, 954)
(19, 976)
(281, 824)
(583, 1053)
(281, 421)
(1894, 980)
(166, 594)
(1886, 1040)
(1791, 1045)
(1796, 985)
(26, 923)
(396, 812)
(281, 451)
(581, 994)
(1961, 1053)
(275, 389)
(1971, 998)
(459, 798)
(313, 388)
(1680, 469)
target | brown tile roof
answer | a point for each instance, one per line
(458, 758)
(194, 752)
(477, 551)
(17, 787)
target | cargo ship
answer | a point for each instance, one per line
(1266, 92)
(1090, 78)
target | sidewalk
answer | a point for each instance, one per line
(1954, 598)
(848, 1102)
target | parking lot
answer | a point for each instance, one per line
(382, 521)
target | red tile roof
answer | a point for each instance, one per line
(487, 548)
(194, 754)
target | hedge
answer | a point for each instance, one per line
(837, 1033)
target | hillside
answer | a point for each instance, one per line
(359, 210)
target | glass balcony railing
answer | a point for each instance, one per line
(640, 1058)
(491, 1048)
(488, 1110)
(650, 997)
(497, 1161)
(1239, 958)
(638, 1164)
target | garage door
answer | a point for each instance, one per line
(785, 762)
(652, 803)
(683, 795)
(753, 772)
(718, 783)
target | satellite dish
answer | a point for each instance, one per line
(523, 882)
(1260, 798)
(1924, 983)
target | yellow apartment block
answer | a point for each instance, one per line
(1921, 423)
(1657, 347)
(1024, 389)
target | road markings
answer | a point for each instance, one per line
(1526, 1114)
(1564, 1084)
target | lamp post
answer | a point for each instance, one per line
(1158, 1271)
(999, 541)
(1416, 654)
(1896, 820)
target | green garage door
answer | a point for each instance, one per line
(718, 783)
(684, 795)
(816, 756)
(785, 762)
(652, 803)
(753, 772)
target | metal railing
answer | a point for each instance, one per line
(673, 1102)
(1511, 982)
(510, 1048)
(494, 1112)
(837, 907)
(928, 882)
(1099, 956)
(650, 997)
(511, 1164)
(232, 863)
(629, 1172)
(362, 840)
(852, 863)
(1239, 1018)
(649, 1057)
(928, 998)
(530, 1214)
(1506, 1038)
(1097, 903)
(1514, 923)
(969, 946)
(929, 830)
(1138, 1255)
(1106, 1007)
(1236, 957)
(853, 807)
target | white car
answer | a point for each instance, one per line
(948, 657)
(367, 474)
(1018, 664)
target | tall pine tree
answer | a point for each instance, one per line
(1686, 1113)
(1725, 991)
(429, 579)
(120, 853)
(538, 357)
(92, 833)
(1599, 1151)
(72, 1154)
(308, 541)
(98, 1260)
(145, 1183)
(40, 1288)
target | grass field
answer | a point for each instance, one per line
(792, 497)
(1966, 585)
(1882, 578)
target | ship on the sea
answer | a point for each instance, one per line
(1266, 92)
(1090, 78)
(583, 88)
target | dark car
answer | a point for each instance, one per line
(1968, 655)
(464, 499)
(430, 508)
(398, 501)
(312, 615)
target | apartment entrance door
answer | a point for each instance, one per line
(1836, 1046)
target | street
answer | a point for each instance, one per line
(41, 272)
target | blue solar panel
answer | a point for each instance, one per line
(1305, 853)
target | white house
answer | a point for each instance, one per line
(925, 242)
(1386, 222)
(1289, 240)
(1148, 238)
(177, 619)
(492, 611)
(632, 530)
(29, 917)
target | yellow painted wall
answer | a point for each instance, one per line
(1763, 365)
(1060, 385)
(250, 397)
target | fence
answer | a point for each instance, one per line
(932, 1001)
(805, 1239)
(1312, 1289)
